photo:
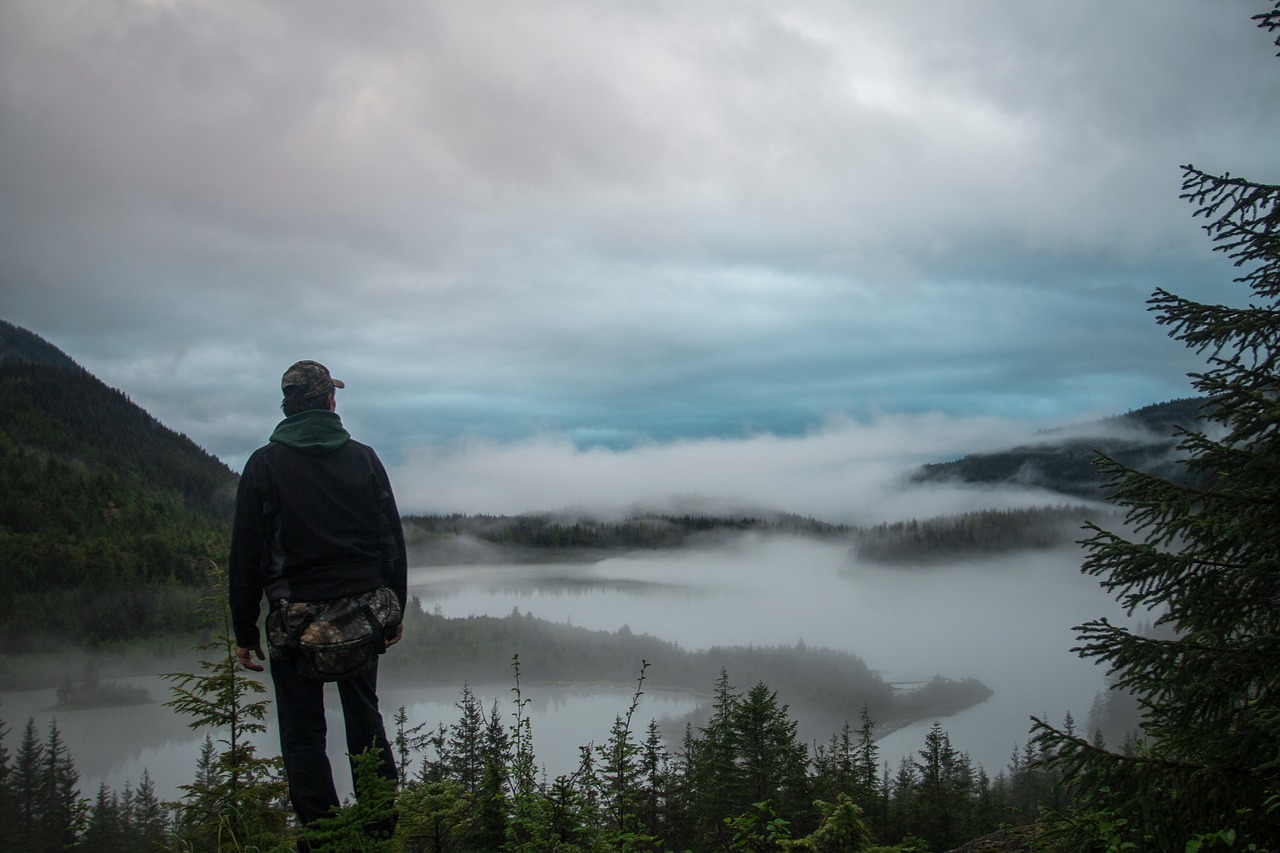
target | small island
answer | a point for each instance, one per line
(90, 691)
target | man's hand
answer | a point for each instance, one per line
(246, 656)
(391, 641)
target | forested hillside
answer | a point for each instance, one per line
(972, 534)
(108, 519)
(477, 649)
(1062, 460)
(458, 538)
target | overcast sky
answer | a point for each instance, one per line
(609, 230)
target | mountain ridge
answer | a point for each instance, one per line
(52, 404)
(19, 344)
(1062, 459)
(109, 521)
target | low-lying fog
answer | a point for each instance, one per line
(1006, 620)
(844, 471)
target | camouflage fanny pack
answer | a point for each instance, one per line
(333, 640)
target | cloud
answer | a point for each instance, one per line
(847, 471)
(620, 223)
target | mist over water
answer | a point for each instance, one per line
(1006, 620)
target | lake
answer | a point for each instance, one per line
(1005, 621)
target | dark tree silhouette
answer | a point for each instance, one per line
(1205, 557)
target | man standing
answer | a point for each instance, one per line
(315, 520)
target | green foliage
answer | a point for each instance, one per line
(747, 754)
(435, 817)
(1221, 839)
(1094, 826)
(620, 781)
(105, 515)
(70, 418)
(61, 812)
(841, 829)
(236, 795)
(945, 785)
(126, 823)
(10, 816)
(846, 768)
(39, 801)
(480, 789)
(1203, 557)
(757, 830)
(365, 825)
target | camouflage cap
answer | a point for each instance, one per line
(308, 379)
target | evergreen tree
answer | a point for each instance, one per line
(125, 809)
(656, 796)
(408, 740)
(200, 806)
(61, 815)
(365, 825)
(10, 816)
(236, 792)
(1205, 556)
(47, 813)
(434, 817)
(868, 794)
(682, 808)
(432, 769)
(105, 832)
(849, 764)
(710, 763)
(27, 784)
(833, 765)
(466, 742)
(1028, 783)
(840, 830)
(771, 764)
(903, 810)
(944, 783)
(148, 824)
(489, 829)
(621, 775)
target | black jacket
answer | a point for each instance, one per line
(315, 519)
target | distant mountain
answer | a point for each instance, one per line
(51, 404)
(1061, 460)
(108, 519)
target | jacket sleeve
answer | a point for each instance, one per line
(245, 571)
(397, 561)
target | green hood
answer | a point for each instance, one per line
(315, 431)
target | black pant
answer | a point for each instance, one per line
(300, 708)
